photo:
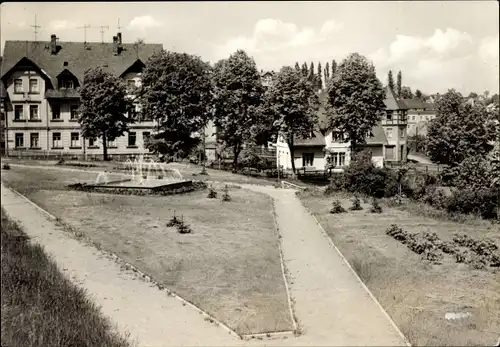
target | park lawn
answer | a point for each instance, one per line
(40, 306)
(415, 293)
(229, 266)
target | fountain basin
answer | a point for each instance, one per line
(136, 187)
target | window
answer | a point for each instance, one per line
(56, 140)
(34, 86)
(19, 140)
(34, 115)
(132, 139)
(75, 140)
(389, 115)
(92, 142)
(130, 84)
(112, 144)
(307, 159)
(342, 159)
(402, 134)
(56, 112)
(413, 117)
(389, 133)
(334, 159)
(34, 140)
(338, 136)
(66, 84)
(18, 85)
(18, 112)
(74, 112)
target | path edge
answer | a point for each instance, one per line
(344, 259)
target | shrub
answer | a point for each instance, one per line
(337, 207)
(183, 228)
(397, 233)
(212, 194)
(356, 204)
(6, 166)
(226, 196)
(60, 161)
(398, 200)
(482, 202)
(174, 221)
(376, 208)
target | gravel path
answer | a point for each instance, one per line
(331, 304)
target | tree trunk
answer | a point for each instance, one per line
(353, 147)
(104, 148)
(236, 153)
(292, 155)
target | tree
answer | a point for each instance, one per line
(390, 80)
(297, 67)
(327, 72)
(406, 93)
(356, 99)
(473, 95)
(311, 75)
(334, 67)
(176, 94)
(294, 103)
(304, 69)
(238, 97)
(459, 131)
(398, 91)
(418, 94)
(318, 77)
(103, 107)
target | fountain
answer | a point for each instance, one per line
(147, 176)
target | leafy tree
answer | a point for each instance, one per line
(297, 67)
(398, 91)
(473, 95)
(318, 77)
(294, 103)
(238, 97)
(103, 107)
(406, 93)
(390, 80)
(459, 130)
(356, 99)
(418, 94)
(334, 67)
(176, 94)
(327, 72)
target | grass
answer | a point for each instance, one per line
(417, 294)
(40, 306)
(228, 266)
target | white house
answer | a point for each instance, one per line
(387, 142)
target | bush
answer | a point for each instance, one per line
(482, 202)
(226, 196)
(337, 207)
(376, 208)
(212, 194)
(6, 166)
(356, 204)
(174, 221)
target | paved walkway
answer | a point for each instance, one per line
(332, 306)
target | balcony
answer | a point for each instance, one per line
(62, 94)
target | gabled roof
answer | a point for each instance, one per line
(391, 102)
(3, 92)
(378, 138)
(318, 140)
(78, 55)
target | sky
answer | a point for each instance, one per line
(436, 45)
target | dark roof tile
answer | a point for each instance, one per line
(78, 55)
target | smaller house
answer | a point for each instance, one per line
(308, 153)
(420, 113)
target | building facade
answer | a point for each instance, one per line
(420, 113)
(387, 142)
(42, 81)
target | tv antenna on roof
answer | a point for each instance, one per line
(118, 26)
(84, 27)
(35, 28)
(103, 27)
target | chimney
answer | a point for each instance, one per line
(53, 44)
(115, 45)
